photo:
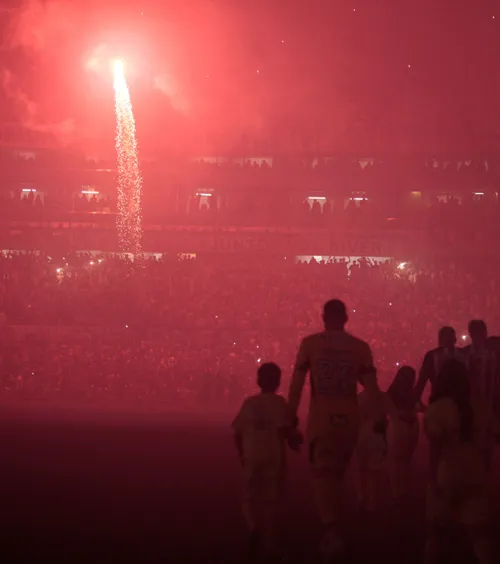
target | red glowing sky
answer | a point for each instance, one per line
(392, 73)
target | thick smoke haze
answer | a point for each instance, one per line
(180, 63)
(207, 75)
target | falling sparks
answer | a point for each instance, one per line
(129, 221)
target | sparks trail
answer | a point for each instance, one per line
(129, 219)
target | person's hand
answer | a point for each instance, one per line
(295, 440)
(421, 408)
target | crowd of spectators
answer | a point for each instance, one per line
(190, 333)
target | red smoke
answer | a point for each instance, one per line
(186, 60)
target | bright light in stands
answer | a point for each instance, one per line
(204, 194)
(401, 265)
(28, 190)
(90, 192)
(91, 263)
(59, 270)
(320, 198)
(464, 337)
(478, 193)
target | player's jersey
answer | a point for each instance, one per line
(432, 364)
(335, 360)
(261, 422)
(482, 366)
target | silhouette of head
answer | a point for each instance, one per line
(269, 377)
(401, 389)
(405, 377)
(447, 337)
(478, 332)
(334, 314)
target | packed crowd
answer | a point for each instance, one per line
(191, 332)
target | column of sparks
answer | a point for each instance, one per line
(129, 219)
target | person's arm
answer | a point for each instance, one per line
(496, 389)
(302, 366)
(423, 377)
(289, 430)
(420, 407)
(238, 426)
(238, 441)
(367, 376)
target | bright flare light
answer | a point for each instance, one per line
(129, 219)
(118, 68)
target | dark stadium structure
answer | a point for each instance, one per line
(292, 205)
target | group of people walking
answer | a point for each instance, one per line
(379, 429)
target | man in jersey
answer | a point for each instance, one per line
(493, 345)
(435, 358)
(336, 361)
(481, 361)
(458, 425)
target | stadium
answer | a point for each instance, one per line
(295, 205)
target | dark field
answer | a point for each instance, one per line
(159, 489)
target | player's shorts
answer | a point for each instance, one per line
(263, 482)
(488, 454)
(469, 506)
(460, 486)
(371, 452)
(402, 441)
(333, 450)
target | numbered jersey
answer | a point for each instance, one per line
(335, 360)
